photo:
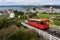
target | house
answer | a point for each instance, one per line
(11, 14)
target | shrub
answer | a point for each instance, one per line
(7, 31)
(51, 22)
(2, 21)
(57, 22)
(23, 17)
(32, 15)
(5, 22)
(17, 22)
(18, 13)
(23, 35)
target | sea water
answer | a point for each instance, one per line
(11, 7)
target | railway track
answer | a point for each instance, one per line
(53, 32)
(50, 34)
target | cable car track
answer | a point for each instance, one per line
(51, 31)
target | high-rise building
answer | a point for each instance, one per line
(51, 9)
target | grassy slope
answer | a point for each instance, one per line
(46, 15)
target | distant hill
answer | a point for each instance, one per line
(25, 6)
(54, 6)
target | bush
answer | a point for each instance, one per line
(57, 22)
(2, 22)
(23, 17)
(17, 22)
(32, 15)
(23, 35)
(51, 22)
(7, 31)
(18, 13)
(5, 22)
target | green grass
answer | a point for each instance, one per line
(46, 15)
(57, 22)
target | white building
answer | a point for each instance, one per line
(11, 14)
(0, 13)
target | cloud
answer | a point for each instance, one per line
(1, 1)
(29, 2)
(12, 0)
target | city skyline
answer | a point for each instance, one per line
(29, 2)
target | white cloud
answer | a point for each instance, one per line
(22, 1)
(29, 2)
(1, 1)
(12, 0)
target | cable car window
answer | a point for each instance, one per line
(45, 22)
(41, 22)
(38, 22)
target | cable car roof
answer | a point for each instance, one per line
(43, 20)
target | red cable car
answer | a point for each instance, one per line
(39, 23)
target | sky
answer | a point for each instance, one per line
(29, 2)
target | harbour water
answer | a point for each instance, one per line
(16, 7)
(11, 7)
(19, 7)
